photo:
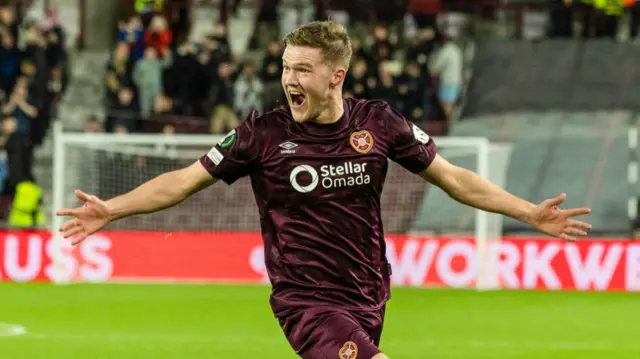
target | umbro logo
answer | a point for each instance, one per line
(288, 147)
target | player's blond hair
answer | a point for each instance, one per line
(328, 36)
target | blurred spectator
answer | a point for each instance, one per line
(248, 91)
(446, 64)
(383, 48)
(183, 61)
(56, 84)
(19, 155)
(228, 7)
(561, 17)
(358, 17)
(270, 75)
(413, 89)
(51, 19)
(120, 89)
(34, 64)
(358, 52)
(223, 117)
(162, 104)
(35, 80)
(9, 63)
(169, 130)
(179, 15)
(386, 89)
(266, 28)
(47, 105)
(217, 53)
(634, 17)
(20, 109)
(158, 35)
(293, 12)
(132, 32)
(608, 17)
(188, 79)
(55, 48)
(120, 129)
(584, 13)
(222, 39)
(420, 46)
(93, 125)
(167, 150)
(355, 84)
(9, 22)
(205, 73)
(147, 75)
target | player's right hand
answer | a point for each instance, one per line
(88, 219)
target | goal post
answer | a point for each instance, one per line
(110, 164)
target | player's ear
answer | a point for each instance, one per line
(338, 77)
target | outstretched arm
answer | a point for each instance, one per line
(162, 192)
(469, 188)
(235, 156)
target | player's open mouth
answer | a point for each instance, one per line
(297, 98)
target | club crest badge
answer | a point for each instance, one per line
(348, 351)
(361, 141)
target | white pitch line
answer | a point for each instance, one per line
(133, 337)
(12, 330)
(265, 340)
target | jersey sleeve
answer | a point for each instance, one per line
(236, 155)
(410, 147)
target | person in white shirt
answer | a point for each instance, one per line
(446, 64)
(248, 91)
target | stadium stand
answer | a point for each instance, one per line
(33, 65)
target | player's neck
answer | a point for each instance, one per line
(332, 113)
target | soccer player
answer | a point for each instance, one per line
(317, 167)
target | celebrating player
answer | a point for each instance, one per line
(317, 167)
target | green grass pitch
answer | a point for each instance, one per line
(103, 321)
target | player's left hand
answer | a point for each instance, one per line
(559, 223)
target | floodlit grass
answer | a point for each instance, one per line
(210, 321)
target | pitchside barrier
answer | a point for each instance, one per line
(530, 263)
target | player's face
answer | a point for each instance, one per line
(306, 80)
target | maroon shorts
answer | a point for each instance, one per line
(330, 333)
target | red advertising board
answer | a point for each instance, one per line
(522, 263)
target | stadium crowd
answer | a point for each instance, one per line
(159, 81)
(32, 80)
(597, 18)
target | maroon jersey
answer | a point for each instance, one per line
(318, 191)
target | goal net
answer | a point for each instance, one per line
(107, 165)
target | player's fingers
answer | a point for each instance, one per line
(575, 232)
(576, 212)
(72, 231)
(84, 197)
(556, 201)
(68, 212)
(567, 237)
(81, 237)
(579, 224)
(68, 224)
